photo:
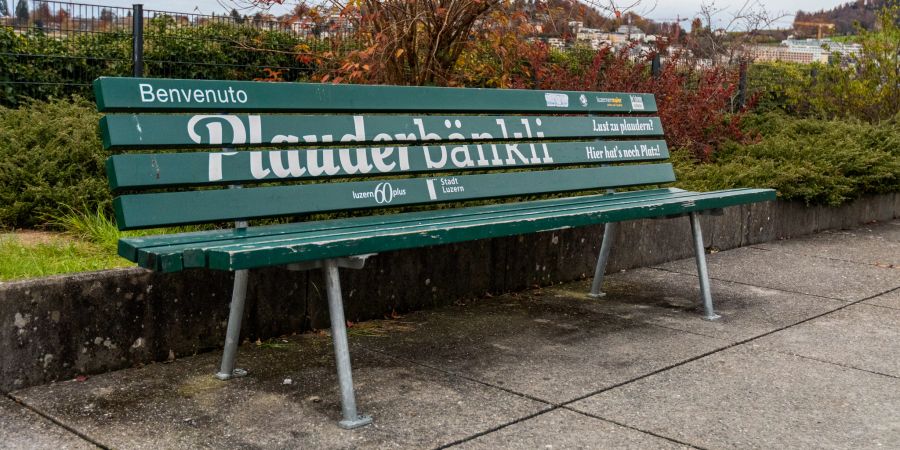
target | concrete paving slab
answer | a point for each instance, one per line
(555, 350)
(860, 336)
(889, 300)
(561, 428)
(673, 300)
(746, 397)
(290, 400)
(889, 230)
(790, 272)
(21, 428)
(868, 245)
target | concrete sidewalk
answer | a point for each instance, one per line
(807, 355)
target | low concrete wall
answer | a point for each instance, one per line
(58, 327)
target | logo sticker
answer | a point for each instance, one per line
(556, 100)
(383, 193)
(610, 101)
(583, 100)
(637, 102)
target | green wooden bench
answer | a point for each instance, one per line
(302, 149)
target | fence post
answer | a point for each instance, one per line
(655, 65)
(742, 84)
(137, 33)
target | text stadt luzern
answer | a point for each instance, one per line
(209, 129)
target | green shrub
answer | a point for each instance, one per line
(815, 161)
(66, 66)
(864, 86)
(51, 159)
(781, 86)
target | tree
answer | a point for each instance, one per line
(4, 9)
(236, 16)
(728, 42)
(404, 42)
(22, 12)
(107, 18)
(42, 13)
(62, 16)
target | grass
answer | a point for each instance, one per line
(95, 228)
(53, 256)
(87, 242)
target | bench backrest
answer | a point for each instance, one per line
(300, 149)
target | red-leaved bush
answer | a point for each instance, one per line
(695, 103)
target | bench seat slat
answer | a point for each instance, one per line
(178, 208)
(160, 254)
(160, 170)
(137, 131)
(130, 247)
(376, 241)
(415, 230)
(159, 95)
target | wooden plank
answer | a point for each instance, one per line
(241, 256)
(159, 170)
(155, 94)
(129, 247)
(122, 131)
(174, 208)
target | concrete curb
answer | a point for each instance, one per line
(58, 327)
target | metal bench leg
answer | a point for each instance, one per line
(609, 232)
(341, 350)
(233, 334)
(700, 254)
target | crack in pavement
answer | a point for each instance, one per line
(56, 422)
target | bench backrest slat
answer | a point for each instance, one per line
(160, 170)
(123, 131)
(153, 94)
(200, 206)
(300, 149)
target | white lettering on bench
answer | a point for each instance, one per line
(615, 152)
(215, 128)
(215, 165)
(149, 94)
(382, 193)
(451, 186)
(635, 125)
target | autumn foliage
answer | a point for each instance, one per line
(479, 43)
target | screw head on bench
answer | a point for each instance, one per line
(236, 373)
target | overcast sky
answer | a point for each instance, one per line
(665, 10)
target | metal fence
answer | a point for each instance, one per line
(60, 47)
